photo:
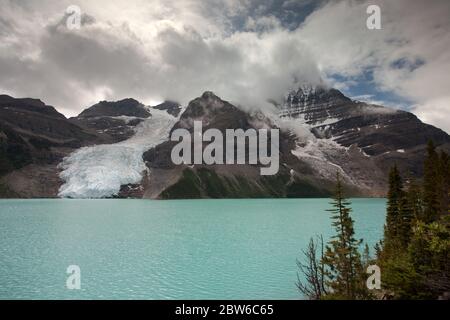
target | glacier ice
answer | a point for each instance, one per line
(99, 171)
(318, 155)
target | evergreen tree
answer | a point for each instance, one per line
(344, 271)
(444, 183)
(366, 256)
(406, 215)
(416, 248)
(393, 215)
(414, 196)
(431, 184)
(378, 249)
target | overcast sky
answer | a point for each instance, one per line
(246, 51)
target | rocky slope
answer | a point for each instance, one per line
(112, 121)
(34, 138)
(384, 135)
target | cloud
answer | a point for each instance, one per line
(175, 59)
(434, 111)
(246, 51)
(409, 57)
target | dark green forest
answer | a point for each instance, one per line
(413, 256)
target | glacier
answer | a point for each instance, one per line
(99, 171)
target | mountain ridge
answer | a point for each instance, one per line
(322, 131)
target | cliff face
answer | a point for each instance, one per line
(386, 135)
(316, 105)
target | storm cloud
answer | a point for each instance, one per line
(247, 52)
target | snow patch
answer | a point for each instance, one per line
(364, 153)
(328, 121)
(317, 155)
(127, 119)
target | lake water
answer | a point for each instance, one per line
(142, 249)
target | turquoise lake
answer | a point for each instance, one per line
(142, 249)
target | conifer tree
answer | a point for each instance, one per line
(393, 215)
(366, 256)
(416, 248)
(406, 215)
(378, 249)
(431, 184)
(444, 183)
(414, 196)
(342, 260)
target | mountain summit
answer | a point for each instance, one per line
(391, 136)
(315, 104)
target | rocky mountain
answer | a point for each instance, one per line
(323, 132)
(168, 181)
(387, 136)
(128, 152)
(112, 121)
(171, 107)
(126, 107)
(34, 138)
(316, 105)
